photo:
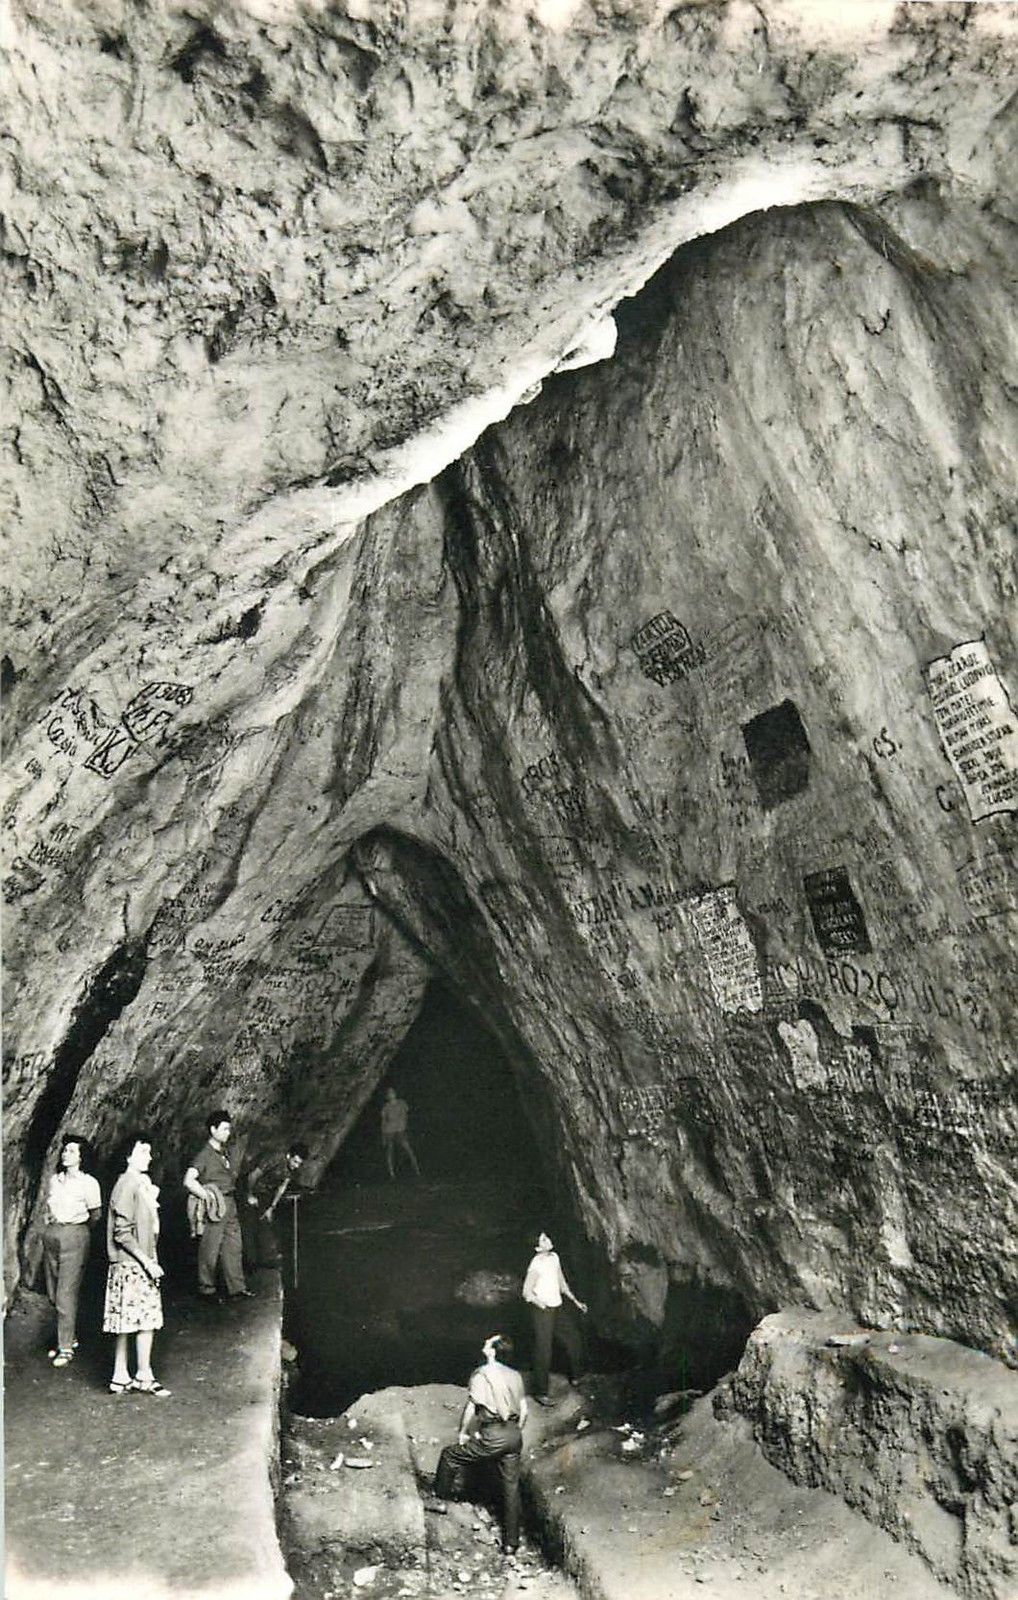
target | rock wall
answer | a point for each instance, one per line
(672, 721)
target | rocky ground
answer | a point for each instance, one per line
(627, 1496)
(641, 1506)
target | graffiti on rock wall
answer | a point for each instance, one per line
(78, 725)
(849, 979)
(22, 880)
(543, 775)
(837, 915)
(737, 665)
(665, 651)
(728, 950)
(989, 884)
(151, 712)
(977, 727)
(646, 1111)
(779, 753)
(737, 782)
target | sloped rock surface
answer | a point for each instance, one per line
(672, 721)
(918, 1434)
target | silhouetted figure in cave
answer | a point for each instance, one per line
(490, 1430)
(395, 1115)
(73, 1207)
(544, 1288)
(211, 1181)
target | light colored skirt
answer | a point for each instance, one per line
(134, 1303)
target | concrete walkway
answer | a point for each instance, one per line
(133, 1497)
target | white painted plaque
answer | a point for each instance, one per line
(977, 727)
(728, 951)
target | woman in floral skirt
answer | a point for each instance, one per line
(133, 1299)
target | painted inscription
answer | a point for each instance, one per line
(837, 915)
(646, 1110)
(153, 709)
(108, 757)
(779, 753)
(728, 950)
(977, 726)
(665, 651)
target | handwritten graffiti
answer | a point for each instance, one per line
(728, 950)
(665, 651)
(989, 884)
(541, 774)
(150, 713)
(884, 746)
(852, 980)
(110, 756)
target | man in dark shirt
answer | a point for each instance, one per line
(489, 1430)
(212, 1180)
(270, 1181)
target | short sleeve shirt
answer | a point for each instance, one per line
(499, 1389)
(394, 1116)
(212, 1166)
(543, 1283)
(72, 1195)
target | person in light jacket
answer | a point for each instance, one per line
(133, 1298)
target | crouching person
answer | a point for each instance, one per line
(490, 1430)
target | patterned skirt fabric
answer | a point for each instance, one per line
(133, 1302)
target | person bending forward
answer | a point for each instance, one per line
(490, 1430)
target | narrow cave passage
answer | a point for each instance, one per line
(400, 1280)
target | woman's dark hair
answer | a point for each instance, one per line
(214, 1118)
(130, 1139)
(299, 1149)
(83, 1145)
(504, 1347)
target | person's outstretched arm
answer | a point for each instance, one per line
(564, 1287)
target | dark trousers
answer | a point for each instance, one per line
(220, 1245)
(261, 1246)
(554, 1325)
(64, 1253)
(499, 1443)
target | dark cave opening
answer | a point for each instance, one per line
(400, 1280)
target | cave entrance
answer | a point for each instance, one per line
(400, 1281)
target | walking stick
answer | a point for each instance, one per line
(294, 1198)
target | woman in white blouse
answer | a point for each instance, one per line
(73, 1204)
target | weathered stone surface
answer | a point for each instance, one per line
(372, 1511)
(643, 721)
(710, 1517)
(919, 1434)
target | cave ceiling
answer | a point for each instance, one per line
(367, 617)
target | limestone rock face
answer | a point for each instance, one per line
(671, 722)
(824, 1404)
